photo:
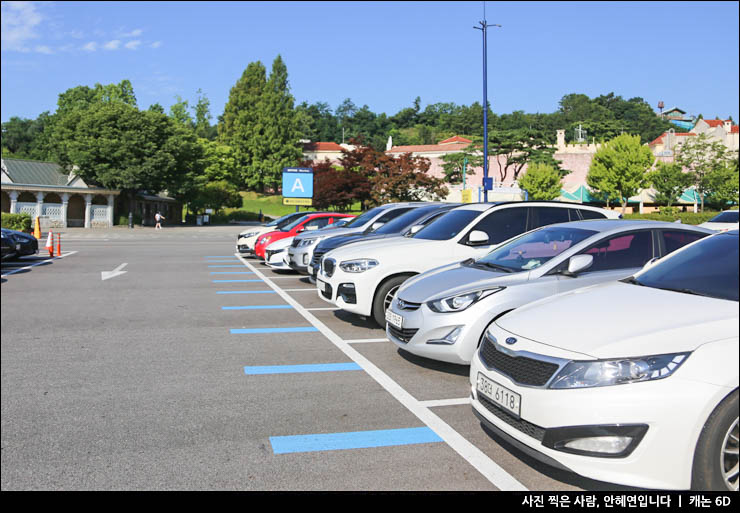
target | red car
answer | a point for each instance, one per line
(307, 222)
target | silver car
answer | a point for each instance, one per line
(301, 249)
(442, 313)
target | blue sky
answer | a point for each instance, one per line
(382, 54)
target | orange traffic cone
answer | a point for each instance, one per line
(37, 229)
(59, 244)
(50, 244)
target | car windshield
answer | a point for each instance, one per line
(286, 220)
(295, 223)
(364, 218)
(403, 221)
(448, 225)
(706, 268)
(533, 249)
(725, 217)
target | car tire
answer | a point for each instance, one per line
(384, 295)
(716, 450)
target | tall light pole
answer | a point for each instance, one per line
(483, 28)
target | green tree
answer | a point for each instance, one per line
(541, 181)
(700, 155)
(514, 149)
(239, 127)
(179, 113)
(453, 164)
(722, 185)
(618, 168)
(202, 112)
(669, 181)
(279, 147)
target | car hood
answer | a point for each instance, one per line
(378, 248)
(280, 243)
(258, 229)
(453, 279)
(619, 319)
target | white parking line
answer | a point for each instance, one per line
(38, 263)
(366, 340)
(446, 402)
(292, 290)
(322, 309)
(474, 456)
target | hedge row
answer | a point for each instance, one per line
(18, 222)
(685, 217)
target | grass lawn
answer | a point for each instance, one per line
(271, 205)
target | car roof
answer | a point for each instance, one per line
(605, 225)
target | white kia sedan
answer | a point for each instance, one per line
(442, 313)
(362, 278)
(632, 382)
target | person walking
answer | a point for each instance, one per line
(158, 218)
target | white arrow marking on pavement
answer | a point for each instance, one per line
(106, 275)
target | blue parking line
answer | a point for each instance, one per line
(236, 281)
(237, 265)
(220, 256)
(353, 440)
(232, 272)
(251, 331)
(261, 307)
(246, 292)
(296, 369)
(222, 261)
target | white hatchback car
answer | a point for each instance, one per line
(442, 313)
(632, 382)
(362, 278)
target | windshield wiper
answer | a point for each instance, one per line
(633, 281)
(497, 267)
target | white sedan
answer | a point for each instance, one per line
(633, 382)
(722, 222)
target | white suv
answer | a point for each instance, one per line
(362, 278)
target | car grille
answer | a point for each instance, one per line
(329, 264)
(295, 243)
(523, 370)
(269, 253)
(317, 254)
(407, 305)
(525, 427)
(404, 335)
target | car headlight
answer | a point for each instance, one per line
(264, 240)
(358, 266)
(308, 242)
(247, 235)
(602, 373)
(460, 302)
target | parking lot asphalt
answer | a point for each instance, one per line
(197, 369)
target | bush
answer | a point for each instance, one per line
(123, 220)
(685, 217)
(18, 222)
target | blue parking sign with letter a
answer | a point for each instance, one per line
(297, 182)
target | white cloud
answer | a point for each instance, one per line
(133, 45)
(112, 45)
(134, 33)
(17, 25)
(91, 46)
(43, 49)
(156, 44)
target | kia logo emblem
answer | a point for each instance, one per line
(510, 341)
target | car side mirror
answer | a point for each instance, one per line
(299, 230)
(477, 238)
(579, 263)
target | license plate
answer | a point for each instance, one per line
(321, 285)
(17, 247)
(310, 270)
(394, 318)
(502, 396)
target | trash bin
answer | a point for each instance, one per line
(199, 220)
